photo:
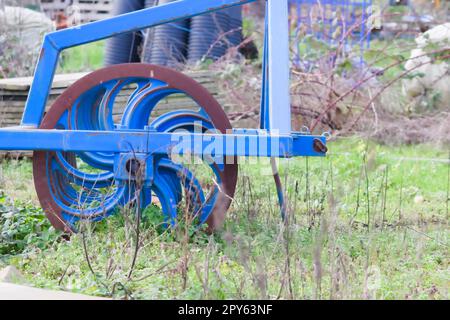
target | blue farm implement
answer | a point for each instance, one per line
(87, 163)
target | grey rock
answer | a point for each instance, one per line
(10, 291)
(10, 274)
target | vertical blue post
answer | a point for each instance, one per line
(41, 86)
(279, 102)
(264, 118)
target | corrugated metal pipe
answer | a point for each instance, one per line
(124, 48)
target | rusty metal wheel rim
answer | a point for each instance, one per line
(64, 107)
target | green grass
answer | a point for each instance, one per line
(353, 233)
(16, 179)
(83, 58)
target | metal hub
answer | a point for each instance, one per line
(133, 167)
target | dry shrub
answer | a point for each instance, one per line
(20, 38)
(338, 93)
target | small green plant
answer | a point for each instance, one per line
(23, 227)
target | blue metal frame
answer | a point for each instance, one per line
(56, 42)
(251, 143)
(275, 106)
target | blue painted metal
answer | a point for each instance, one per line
(251, 143)
(278, 84)
(264, 112)
(134, 169)
(276, 107)
(89, 132)
(57, 41)
(143, 170)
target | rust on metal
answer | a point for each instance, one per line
(174, 80)
(319, 146)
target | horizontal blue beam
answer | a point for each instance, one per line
(218, 145)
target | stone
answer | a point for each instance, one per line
(429, 89)
(10, 274)
(9, 291)
(439, 34)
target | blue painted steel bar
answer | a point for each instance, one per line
(57, 41)
(264, 119)
(279, 105)
(249, 143)
(41, 86)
